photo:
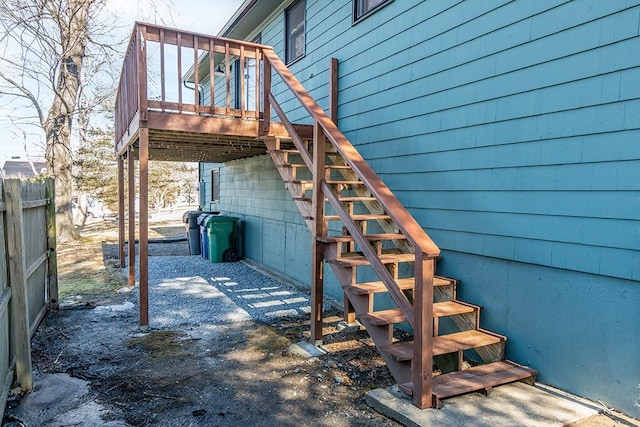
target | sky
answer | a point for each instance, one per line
(204, 16)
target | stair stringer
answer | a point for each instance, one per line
(381, 336)
(463, 323)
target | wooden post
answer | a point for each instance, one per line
(227, 76)
(52, 263)
(421, 369)
(212, 77)
(121, 212)
(333, 90)
(143, 160)
(266, 91)
(319, 229)
(21, 337)
(141, 47)
(132, 217)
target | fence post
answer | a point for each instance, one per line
(52, 264)
(17, 266)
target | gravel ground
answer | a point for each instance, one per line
(190, 291)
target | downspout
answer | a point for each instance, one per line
(198, 90)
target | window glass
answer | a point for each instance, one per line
(248, 73)
(215, 185)
(294, 23)
(364, 7)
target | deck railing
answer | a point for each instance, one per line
(169, 70)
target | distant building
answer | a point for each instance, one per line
(21, 169)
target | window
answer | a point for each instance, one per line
(248, 74)
(294, 31)
(363, 8)
(215, 185)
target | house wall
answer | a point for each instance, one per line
(511, 131)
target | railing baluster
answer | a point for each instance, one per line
(179, 72)
(241, 77)
(266, 92)
(163, 95)
(257, 72)
(227, 76)
(196, 77)
(212, 77)
(142, 72)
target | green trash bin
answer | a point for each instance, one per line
(221, 232)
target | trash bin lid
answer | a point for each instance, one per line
(218, 218)
(186, 215)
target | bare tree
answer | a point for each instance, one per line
(50, 51)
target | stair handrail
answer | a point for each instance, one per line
(419, 239)
(420, 314)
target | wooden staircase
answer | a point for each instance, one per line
(362, 232)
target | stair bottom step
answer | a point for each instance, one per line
(475, 378)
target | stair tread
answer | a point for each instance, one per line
(444, 344)
(360, 260)
(450, 308)
(384, 317)
(362, 217)
(344, 199)
(284, 150)
(357, 199)
(370, 237)
(476, 378)
(300, 181)
(348, 182)
(405, 283)
(395, 315)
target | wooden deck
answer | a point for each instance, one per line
(190, 114)
(181, 137)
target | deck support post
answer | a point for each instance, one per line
(131, 190)
(319, 229)
(121, 219)
(143, 160)
(421, 369)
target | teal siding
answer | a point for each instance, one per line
(511, 131)
(552, 323)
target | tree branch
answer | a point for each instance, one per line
(26, 93)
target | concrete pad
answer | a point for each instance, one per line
(506, 405)
(348, 328)
(54, 401)
(306, 350)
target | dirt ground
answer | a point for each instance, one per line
(238, 374)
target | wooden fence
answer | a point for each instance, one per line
(28, 275)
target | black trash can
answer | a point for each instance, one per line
(190, 219)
